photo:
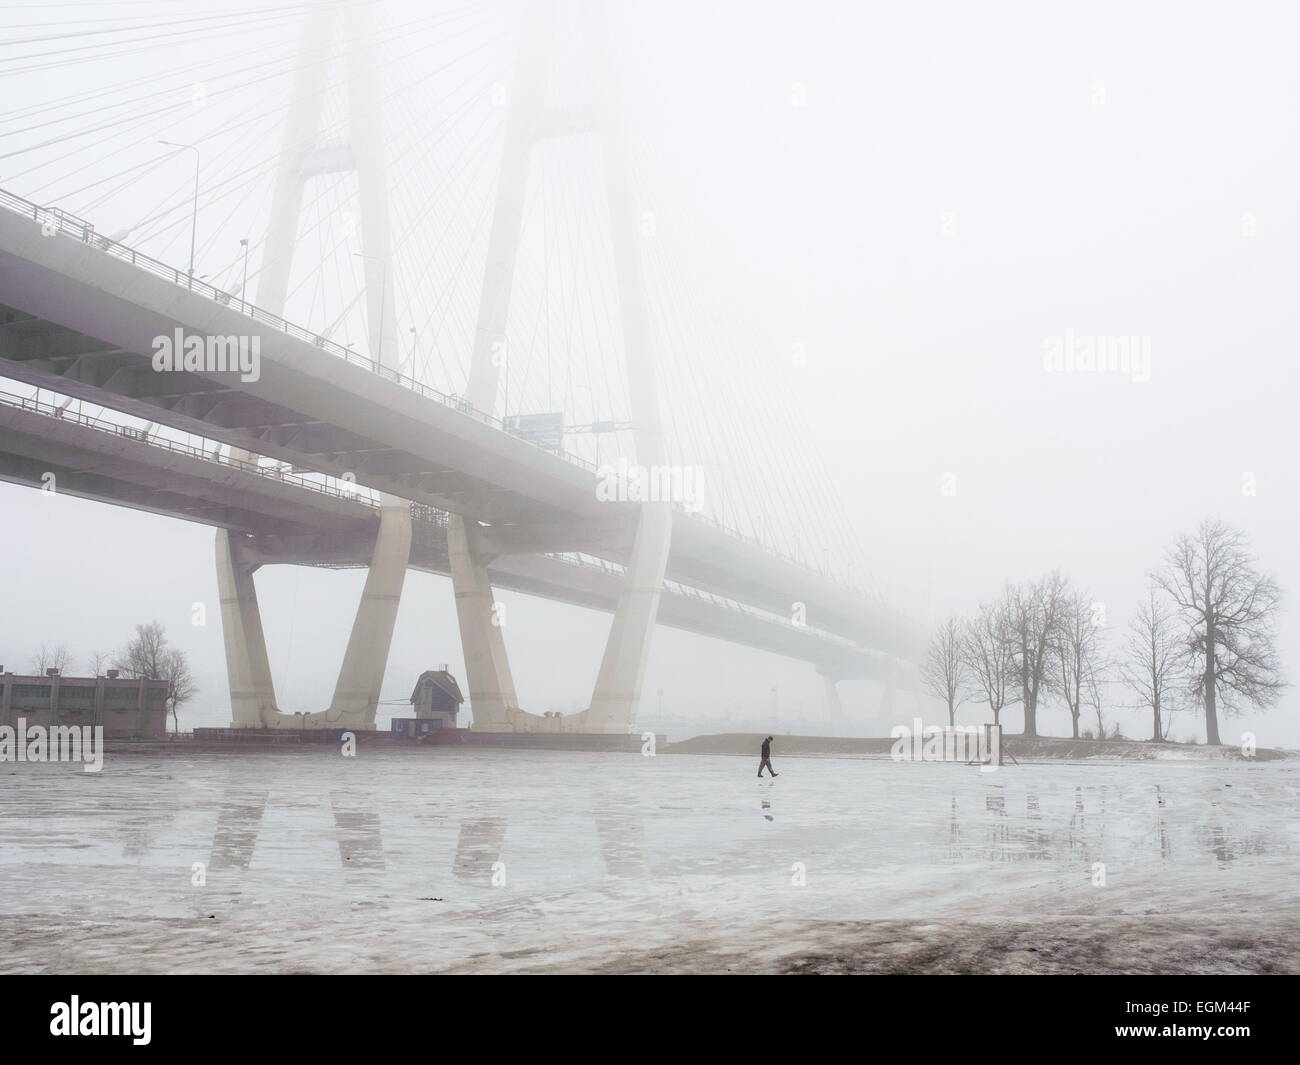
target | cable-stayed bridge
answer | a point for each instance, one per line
(526, 373)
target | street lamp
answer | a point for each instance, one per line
(194, 222)
(383, 294)
(243, 289)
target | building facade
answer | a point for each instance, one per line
(127, 709)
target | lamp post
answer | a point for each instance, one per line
(383, 294)
(194, 221)
(243, 288)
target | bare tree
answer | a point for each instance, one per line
(143, 656)
(1230, 608)
(1094, 697)
(944, 671)
(1151, 665)
(148, 656)
(1075, 650)
(1034, 612)
(987, 648)
(56, 657)
(97, 661)
(176, 671)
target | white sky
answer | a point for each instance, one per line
(920, 195)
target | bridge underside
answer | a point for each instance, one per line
(281, 518)
(316, 411)
(81, 322)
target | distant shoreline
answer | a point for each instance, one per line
(1020, 747)
(1016, 748)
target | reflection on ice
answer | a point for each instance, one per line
(357, 821)
(479, 848)
(622, 834)
(235, 837)
(546, 846)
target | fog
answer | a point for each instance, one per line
(891, 217)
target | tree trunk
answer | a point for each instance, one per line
(952, 714)
(1155, 707)
(1031, 725)
(1211, 716)
(1074, 721)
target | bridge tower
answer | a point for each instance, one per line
(302, 158)
(622, 669)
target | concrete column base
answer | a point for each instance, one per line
(361, 676)
(252, 692)
(491, 685)
(622, 670)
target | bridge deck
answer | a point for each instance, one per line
(79, 315)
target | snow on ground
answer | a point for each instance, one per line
(386, 862)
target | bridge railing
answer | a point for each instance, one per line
(54, 220)
(420, 512)
(178, 447)
(688, 591)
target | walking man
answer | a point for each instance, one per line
(767, 758)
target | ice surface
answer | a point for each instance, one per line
(386, 861)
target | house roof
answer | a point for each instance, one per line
(442, 679)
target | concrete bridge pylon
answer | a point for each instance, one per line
(361, 674)
(618, 683)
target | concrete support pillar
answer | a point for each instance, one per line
(491, 684)
(356, 695)
(622, 669)
(366, 135)
(525, 94)
(300, 130)
(618, 687)
(252, 693)
(248, 670)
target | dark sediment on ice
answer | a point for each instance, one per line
(1195, 944)
(1156, 944)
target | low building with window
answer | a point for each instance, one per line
(127, 709)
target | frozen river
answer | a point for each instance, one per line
(490, 860)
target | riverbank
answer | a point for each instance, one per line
(1021, 748)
